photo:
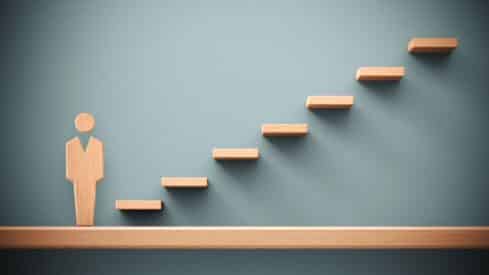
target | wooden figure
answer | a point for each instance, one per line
(84, 168)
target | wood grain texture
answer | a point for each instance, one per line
(280, 130)
(432, 45)
(84, 168)
(186, 182)
(235, 153)
(329, 102)
(380, 73)
(244, 237)
(138, 204)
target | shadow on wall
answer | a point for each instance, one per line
(245, 176)
(289, 146)
(433, 61)
(240, 169)
(247, 262)
(295, 158)
(384, 96)
(189, 199)
(143, 217)
(383, 89)
(335, 117)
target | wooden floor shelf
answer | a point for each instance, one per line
(432, 45)
(235, 154)
(329, 102)
(244, 237)
(281, 130)
(380, 73)
(138, 204)
(178, 182)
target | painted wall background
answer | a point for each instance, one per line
(169, 80)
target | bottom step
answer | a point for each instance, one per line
(138, 204)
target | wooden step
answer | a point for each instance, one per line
(283, 130)
(235, 153)
(212, 237)
(380, 73)
(138, 204)
(178, 182)
(329, 102)
(432, 45)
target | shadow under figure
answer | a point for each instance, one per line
(84, 168)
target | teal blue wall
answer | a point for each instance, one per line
(169, 80)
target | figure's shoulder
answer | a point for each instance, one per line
(72, 141)
(96, 141)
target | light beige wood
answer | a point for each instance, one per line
(244, 237)
(235, 153)
(84, 168)
(380, 73)
(271, 130)
(138, 204)
(432, 45)
(329, 102)
(84, 122)
(179, 182)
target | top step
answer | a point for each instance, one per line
(432, 45)
(380, 73)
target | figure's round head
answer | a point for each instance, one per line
(84, 122)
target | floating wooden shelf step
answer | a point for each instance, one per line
(235, 153)
(138, 204)
(329, 102)
(380, 73)
(174, 237)
(178, 182)
(432, 45)
(282, 130)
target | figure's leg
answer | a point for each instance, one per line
(84, 202)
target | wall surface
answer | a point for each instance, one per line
(169, 80)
